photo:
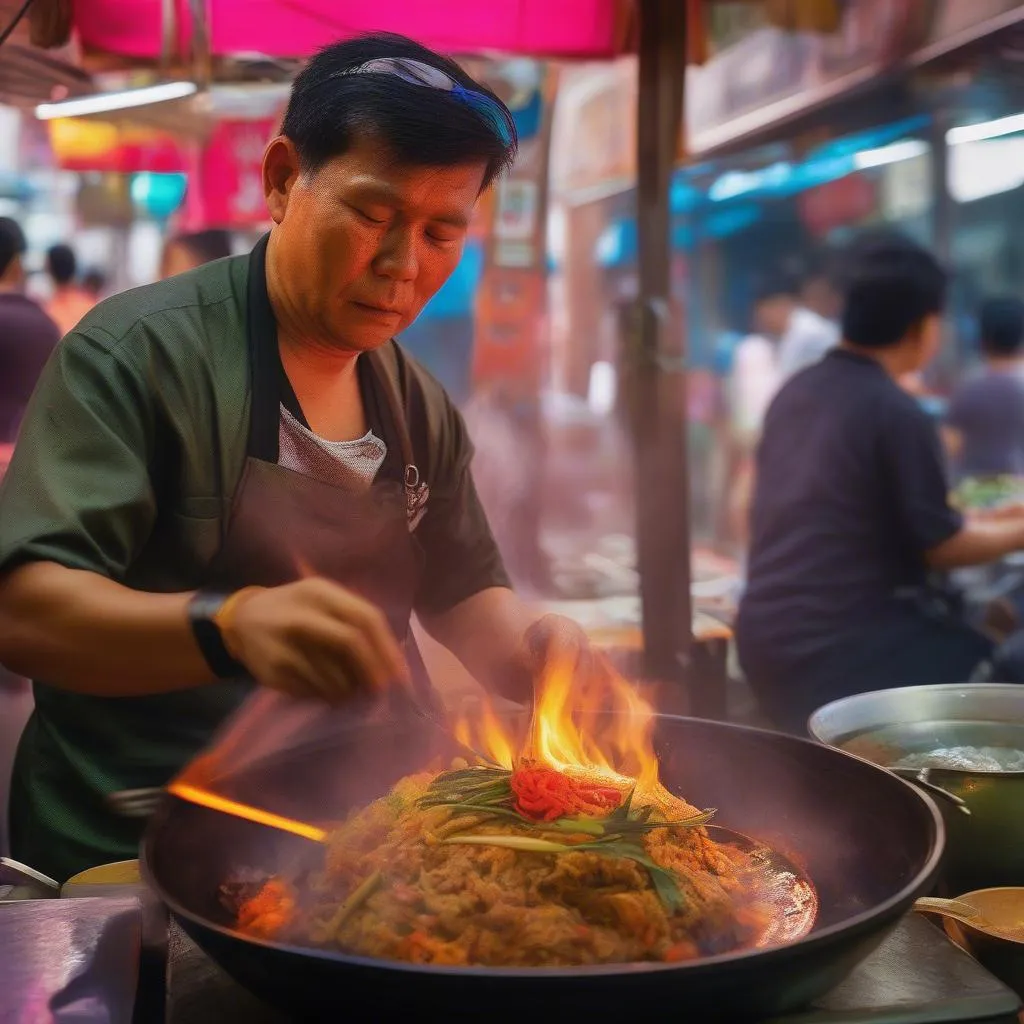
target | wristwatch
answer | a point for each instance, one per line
(202, 617)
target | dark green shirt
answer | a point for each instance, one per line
(127, 461)
(135, 440)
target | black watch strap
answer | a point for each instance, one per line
(202, 610)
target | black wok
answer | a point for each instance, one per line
(870, 843)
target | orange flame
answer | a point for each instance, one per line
(487, 735)
(596, 726)
(205, 798)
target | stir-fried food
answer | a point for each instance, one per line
(526, 867)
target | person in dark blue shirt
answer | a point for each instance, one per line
(27, 334)
(985, 422)
(850, 512)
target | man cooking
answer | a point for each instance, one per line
(237, 473)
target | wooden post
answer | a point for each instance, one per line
(50, 23)
(656, 357)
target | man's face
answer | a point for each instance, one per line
(362, 244)
(820, 296)
(771, 317)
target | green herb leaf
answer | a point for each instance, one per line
(459, 810)
(576, 826)
(666, 887)
(621, 813)
(643, 824)
(478, 786)
(663, 880)
(525, 844)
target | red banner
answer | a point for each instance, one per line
(848, 200)
(226, 182)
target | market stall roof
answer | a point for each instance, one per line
(290, 28)
(33, 67)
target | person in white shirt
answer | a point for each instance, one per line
(752, 386)
(803, 335)
(788, 337)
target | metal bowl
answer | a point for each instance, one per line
(985, 846)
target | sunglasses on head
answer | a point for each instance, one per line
(415, 72)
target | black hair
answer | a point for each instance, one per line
(780, 284)
(12, 242)
(821, 266)
(891, 284)
(330, 111)
(94, 280)
(1001, 325)
(61, 263)
(206, 246)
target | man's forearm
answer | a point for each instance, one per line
(83, 632)
(979, 542)
(487, 633)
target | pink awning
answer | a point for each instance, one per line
(295, 28)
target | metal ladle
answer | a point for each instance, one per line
(921, 777)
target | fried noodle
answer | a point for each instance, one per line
(393, 886)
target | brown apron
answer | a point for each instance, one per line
(284, 525)
(77, 749)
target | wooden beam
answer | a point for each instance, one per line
(656, 356)
(50, 23)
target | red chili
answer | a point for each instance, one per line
(544, 794)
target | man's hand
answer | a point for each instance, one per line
(506, 647)
(981, 540)
(555, 641)
(313, 638)
(1001, 513)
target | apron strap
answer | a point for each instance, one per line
(394, 411)
(264, 361)
(269, 384)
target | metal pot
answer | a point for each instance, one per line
(985, 846)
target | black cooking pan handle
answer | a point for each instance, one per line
(921, 777)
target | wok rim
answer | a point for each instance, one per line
(843, 702)
(813, 940)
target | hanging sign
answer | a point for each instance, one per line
(226, 187)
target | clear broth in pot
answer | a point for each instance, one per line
(969, 746)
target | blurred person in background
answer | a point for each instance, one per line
(69, 302)
(820, 294)
(27, 337)
(94, 281)
(851, 512)
(753, 382)
(27, 334)
(188, 251)
(984, 429)
(803, 336)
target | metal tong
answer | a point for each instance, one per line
(143, 803)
